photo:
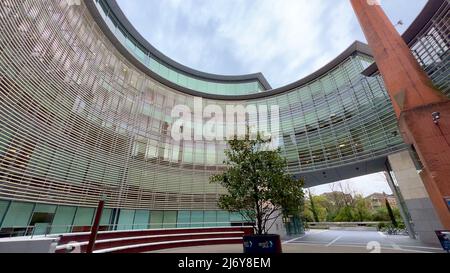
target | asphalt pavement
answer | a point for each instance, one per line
(361, 241)
(332, 241)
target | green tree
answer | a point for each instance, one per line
(313, 208)
(380, 214)
(345, 214)
(361, 209)
(319, 208)
(321, 203)
(257, 183)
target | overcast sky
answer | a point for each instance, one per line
(365, 185)
(284, 39)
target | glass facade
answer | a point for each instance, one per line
(16, 218)
(431, 49)
(79, 121)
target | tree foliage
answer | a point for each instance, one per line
(328, 209)
(258, 184)
(320, 208)
(313, 208)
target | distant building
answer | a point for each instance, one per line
(377, 200)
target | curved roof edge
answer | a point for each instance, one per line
(421, 21)
(357, 46)
(115, 8)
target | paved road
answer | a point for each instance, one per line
(368, 241)
(332, 241)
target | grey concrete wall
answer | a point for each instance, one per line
(26, 245)
(278, 228)
(416, 197)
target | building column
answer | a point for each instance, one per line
(403, 208)
(277, 226)
(423, 215)
(416, 102)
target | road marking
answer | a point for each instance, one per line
(301, 237)
(314, 232)
(295, 239)
(334, 241)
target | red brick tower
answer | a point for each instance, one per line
(422, 111)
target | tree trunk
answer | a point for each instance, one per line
(259, 218)
(391, 213)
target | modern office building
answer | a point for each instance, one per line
(85, 107)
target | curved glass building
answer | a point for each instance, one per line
(85, 107)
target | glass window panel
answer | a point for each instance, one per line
(170, 219)
(182, 80)
(164, 71)
(236, 217)
(154, 65)
(141, 219)
(126, 218)
(105, 220)
(173, 76)
(63, 219)
(141, 55)
(211, 88)
(156, 219)
(197, 218)
(210, 218)
(18, 215)
(111, 24)
(45, 208)
(83, 217)
(223, 218)
(3, 207)
(120, 35)
(42, 218)
(130, 45)
(184, 219)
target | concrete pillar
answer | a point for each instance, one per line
(400, 202)
(414, 99)
(417, 200)
(277, 227)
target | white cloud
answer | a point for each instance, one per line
(284, 39)
(279, 38)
